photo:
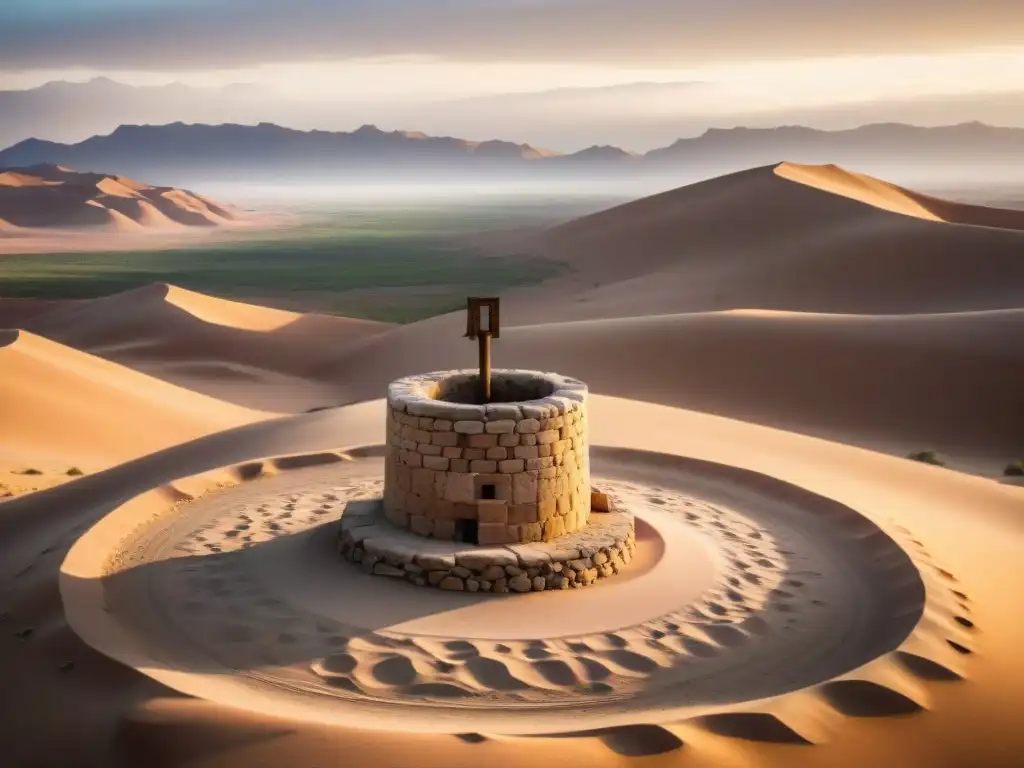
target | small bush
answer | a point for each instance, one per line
(74, 472)
(1014, 469)
(926, 457)
(31, 471)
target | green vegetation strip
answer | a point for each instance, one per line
(294, 272)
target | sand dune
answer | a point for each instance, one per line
(48, 196)
(949, 382)
(891, 197)
(758, 239)
(60, 408)
(793, 601)
(890, 710)
(172, 333)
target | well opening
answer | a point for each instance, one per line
(465, 388)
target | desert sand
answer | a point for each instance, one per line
(45, 196)
(50, 209)
(802, 594)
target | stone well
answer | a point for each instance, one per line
(515, 470)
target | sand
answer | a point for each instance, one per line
(797, 598)
(47, 196)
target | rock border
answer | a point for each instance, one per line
(602, 549)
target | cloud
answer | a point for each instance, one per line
(163, 35)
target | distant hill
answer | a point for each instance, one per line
(180, 153)
(51, 196)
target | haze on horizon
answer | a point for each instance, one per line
(559, 74)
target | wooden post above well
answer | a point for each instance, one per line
(483, 324)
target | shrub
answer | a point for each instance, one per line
(74, 472)
(31, 471)
(1014, 469)
(926, 457)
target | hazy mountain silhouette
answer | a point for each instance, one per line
(178, 153)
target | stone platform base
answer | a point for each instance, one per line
(601, 549)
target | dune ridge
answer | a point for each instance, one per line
(51, 197)
(240, 350)
(59, 405)
(892, 197)
(756, 239)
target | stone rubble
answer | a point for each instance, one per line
(578, 559)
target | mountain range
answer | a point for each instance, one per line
(177, 153)
(639, 116)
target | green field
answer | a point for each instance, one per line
(392, 264)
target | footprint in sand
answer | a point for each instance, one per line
(493, 674)
(556, 672)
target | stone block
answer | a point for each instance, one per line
(482, 441)
(489, 511)
(468, 427)
(508, 441)
(460, 487)
(492, 533)
(503, 411)
(511, 466)
(426, 423)
(524, 489)
(492, 572)
(497, 454)
(527, 439)
(408, 445)
(599, 501)
(473, 454)
(547, 437)
(415, 505)
(442, 425)
(459, 465)
(397, 517)
(444, 439)
(383, 569)
(451, 453)
(520, 514)
(465, 511)
(436, 463)
(428, 449)
(452, 584)
(403, 474)
(528, 427)
(441, 509)
(545, 510)
(436, 577)
(421, 525)
(412, 459)
(482, 465)
(481, 559)
(503, 427)
(532, 532)
(526, 452)
(423, 482)
(520, 584)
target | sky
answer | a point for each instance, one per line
(736, 57)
